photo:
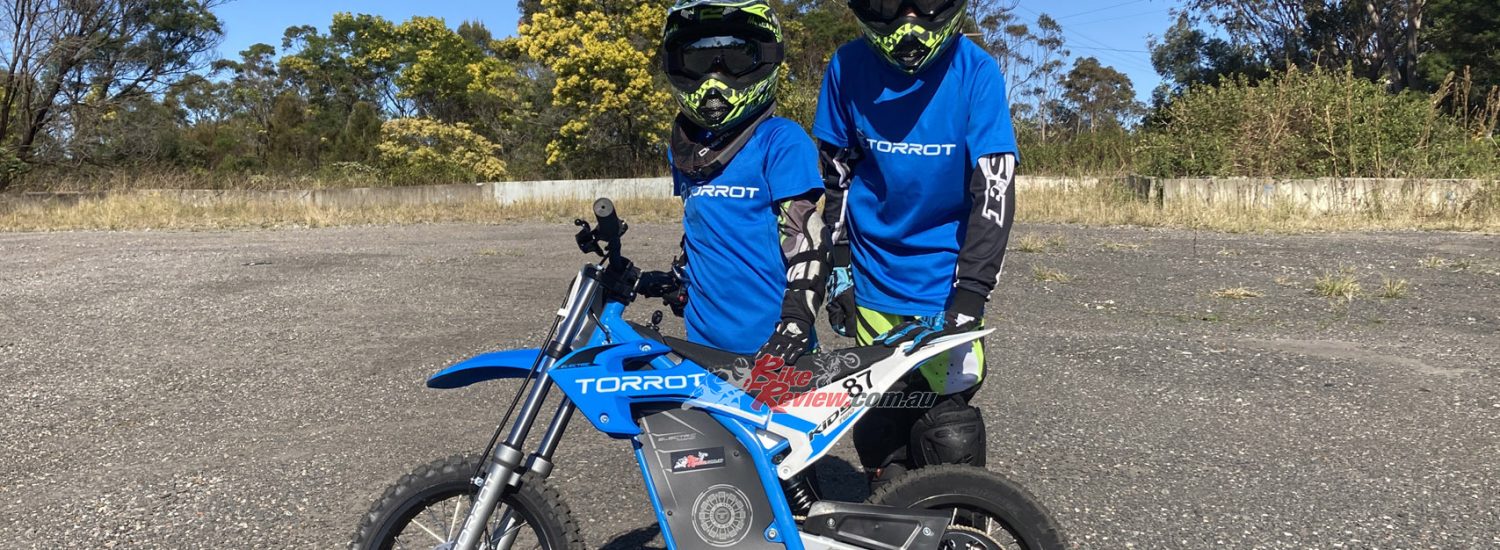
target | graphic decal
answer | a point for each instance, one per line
(722, 516)
(697, 459)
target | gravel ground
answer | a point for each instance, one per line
(259, 389)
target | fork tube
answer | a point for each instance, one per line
(575, 316)
(541, 460)
(504, 471)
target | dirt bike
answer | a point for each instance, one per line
(724, 447)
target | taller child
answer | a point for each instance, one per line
(918, 158)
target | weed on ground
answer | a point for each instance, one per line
(1338, 285)
(1044, 274)
(1393, 289)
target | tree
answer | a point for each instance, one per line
(360, 135)
(1186, 56)
(603, 54)
(1032, 60)
(1380, 39)
(72, 60)
(1462, 34)
(428, 150)
(1099, 97)
(814, 29)
(290, 141)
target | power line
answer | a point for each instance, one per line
(1121, 17)
(1108, 49)
(1114, 57)
(1106, 8)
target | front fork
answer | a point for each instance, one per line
(505, 471)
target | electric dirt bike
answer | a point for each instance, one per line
(724, 445)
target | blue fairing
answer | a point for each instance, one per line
(494, 365)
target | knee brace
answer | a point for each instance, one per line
(952, 432)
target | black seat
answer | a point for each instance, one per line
(827, 366)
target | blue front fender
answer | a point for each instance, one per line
(495, 365)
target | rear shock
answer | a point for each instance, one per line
(800, 492)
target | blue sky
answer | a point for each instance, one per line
(1114, 31)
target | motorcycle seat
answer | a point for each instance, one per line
(826, 366)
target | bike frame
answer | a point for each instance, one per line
(591, 342)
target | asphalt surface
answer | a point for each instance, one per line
(259, 389)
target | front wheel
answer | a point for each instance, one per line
(988, 511)
(426, 509)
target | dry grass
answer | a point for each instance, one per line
(1393, 289)
(1109, 206)
(1339, 285)
(1237, 293)
(1433, 262)
(1033, 243)
(129, 212)
(1044, 274)
(1098, 206)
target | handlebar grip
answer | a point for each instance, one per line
(608, 228)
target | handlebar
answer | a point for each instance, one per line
(619, 276)
(609, 228)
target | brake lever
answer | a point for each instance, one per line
(587, 241)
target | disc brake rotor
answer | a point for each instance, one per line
(960, 537)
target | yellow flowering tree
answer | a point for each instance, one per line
(603, 54)
(426, 150)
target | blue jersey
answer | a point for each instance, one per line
(920, 137)
(733, 240)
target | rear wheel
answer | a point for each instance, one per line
(426, 509)
(988, 511)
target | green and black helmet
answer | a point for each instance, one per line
(910, 33)
(723, 58)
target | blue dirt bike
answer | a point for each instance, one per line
(725, 446)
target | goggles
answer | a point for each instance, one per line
(886, 11)
(697, 58)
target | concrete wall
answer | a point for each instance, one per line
(1320, 195)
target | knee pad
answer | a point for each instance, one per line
(952, 432)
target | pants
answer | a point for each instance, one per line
(884, 434)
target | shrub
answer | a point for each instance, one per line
(1313, 124)
(426, 150)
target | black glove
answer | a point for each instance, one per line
(788, 343)
(966, 314)
(667, 286)
(842, 310)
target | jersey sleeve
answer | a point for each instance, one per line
(831, 122)
(990, 131)
(791, 162)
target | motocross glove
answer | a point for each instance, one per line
(670, 286)
(965, 315)
(790, 340)
(842, 310)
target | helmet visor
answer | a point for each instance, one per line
(727, 56)
(886, 11)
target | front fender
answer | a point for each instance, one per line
(495, 365)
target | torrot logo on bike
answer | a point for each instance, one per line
(639, 382)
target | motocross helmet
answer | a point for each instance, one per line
(909, 34)
(723, 58)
